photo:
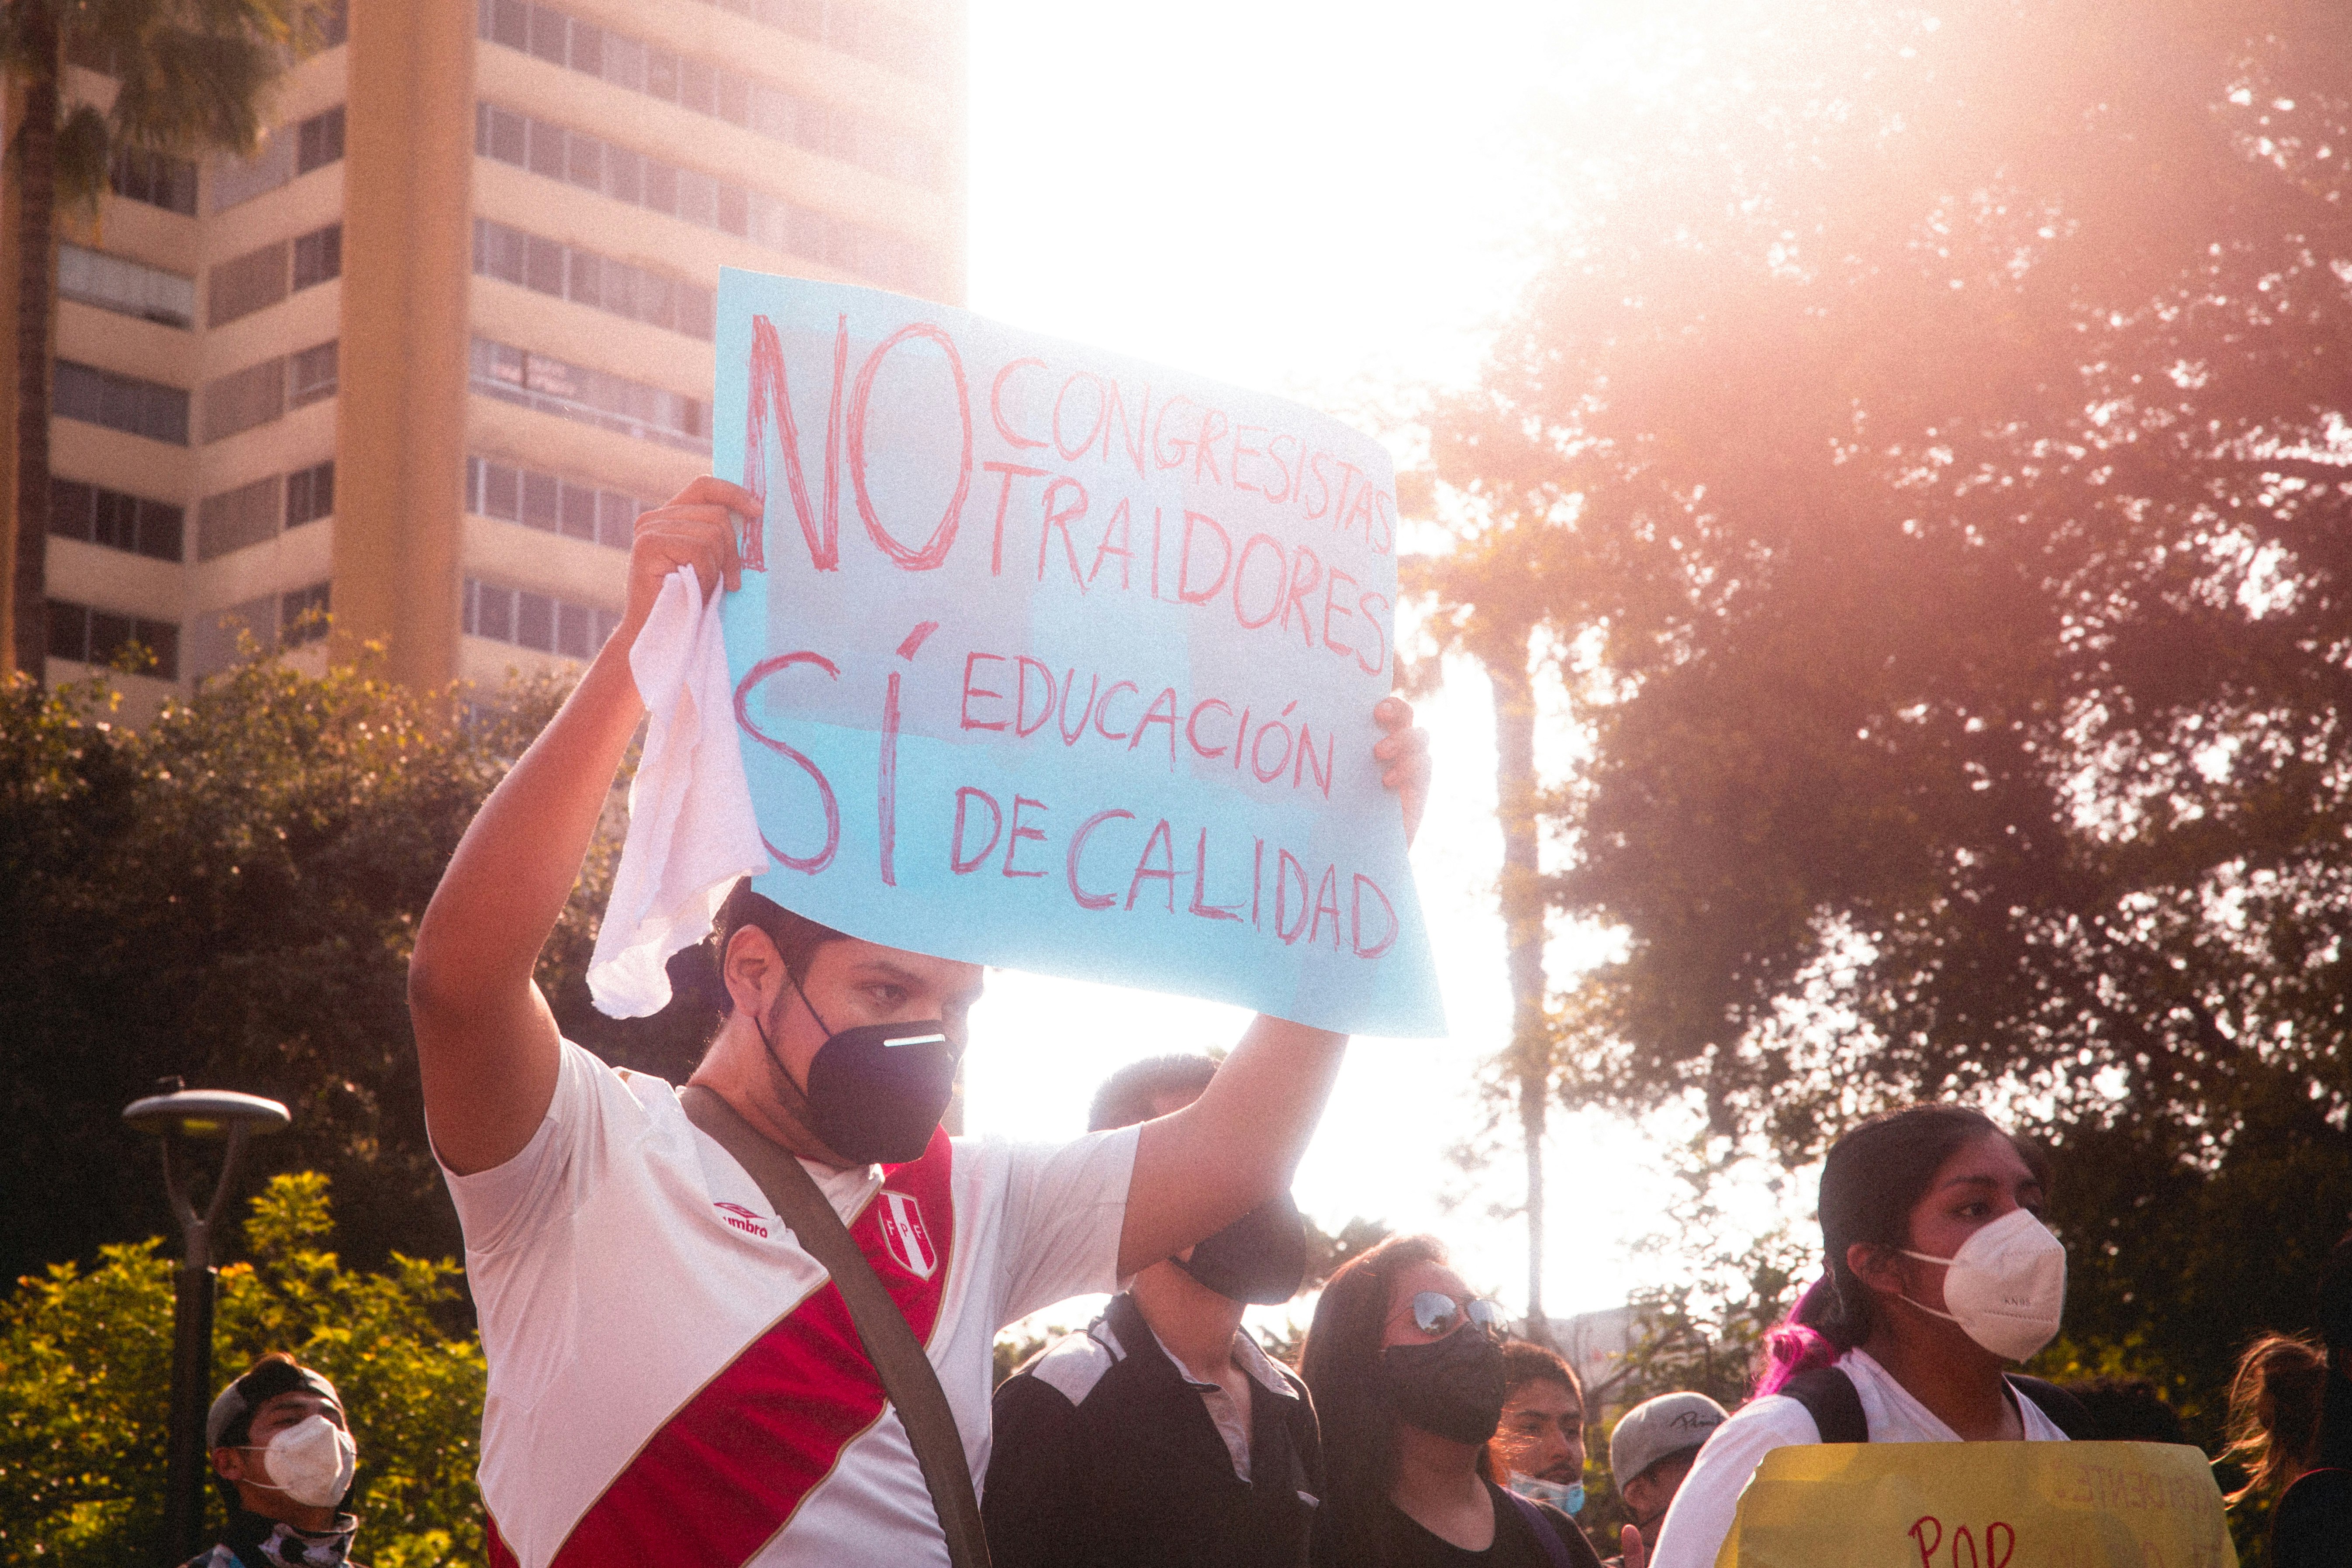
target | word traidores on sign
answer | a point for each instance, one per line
(1093, 532)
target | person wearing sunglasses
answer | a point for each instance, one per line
(1405, 1365)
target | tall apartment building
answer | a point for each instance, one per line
(421, 361)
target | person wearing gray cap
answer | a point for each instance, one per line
(1650, 1451)
(283, 1458)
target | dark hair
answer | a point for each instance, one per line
(1525, 1362)
(1125, 1096)
(1340, 1367)
(270, 1375)
(2274, 1407)
(796, 937)
(1873, 1177)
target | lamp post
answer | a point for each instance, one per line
(180, 1114)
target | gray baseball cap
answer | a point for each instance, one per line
(1660, 1428)
(269, 1378)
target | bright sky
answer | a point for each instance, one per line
(1291, 195)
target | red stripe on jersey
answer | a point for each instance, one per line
(495, 1545)
(725, 1472)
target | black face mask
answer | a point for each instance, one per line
(876, 1093)
(1450, 1388)
(1260, 1257)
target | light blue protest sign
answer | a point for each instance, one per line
(1057, 660)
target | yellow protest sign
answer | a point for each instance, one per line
(1980, 1505)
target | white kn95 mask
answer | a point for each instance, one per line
(311, 1461)
(2006, 1287)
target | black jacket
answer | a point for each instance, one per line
(1105, 1457)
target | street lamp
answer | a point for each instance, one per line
(212, 1114)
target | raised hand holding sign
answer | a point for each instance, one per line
(1051, 659)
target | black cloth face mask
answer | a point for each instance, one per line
(1260, 1258)
(1450, 1388)
(876, 1093)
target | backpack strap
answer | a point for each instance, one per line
(2066, 1413)
(1828, 1397)
(1555, 1550)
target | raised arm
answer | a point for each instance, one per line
(486, 1042)
(1204, 1166)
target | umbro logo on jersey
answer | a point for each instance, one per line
(903, 1234)
(742, 1219)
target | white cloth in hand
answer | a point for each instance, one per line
(691, 830)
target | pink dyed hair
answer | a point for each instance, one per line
(1796, 1344)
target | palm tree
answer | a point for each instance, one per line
(1487, 596)
(195, 77)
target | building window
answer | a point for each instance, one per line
(289, 152)
(714, 91)
(537, 621)
(260, 279)
(590, 396)
(556, 505)
(895, 40)
(156, 178)
(255, 514)
(320, 141)
(118, 283)
(245, 398)
(116, 521)
(235, 519)
(121, 402)
(597, 281)
(253, 281)
(891, 260)
(103, 638)
(309, 494)
(310, 374)
(260, 392)
(302, 616)
(319, 256)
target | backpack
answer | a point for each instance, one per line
(1555, 1550)
(1828, 1397)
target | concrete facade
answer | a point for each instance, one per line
(420, 361)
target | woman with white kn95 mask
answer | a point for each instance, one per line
(1940, 1274)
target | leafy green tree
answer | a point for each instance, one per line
(85, 1371)
(190, 79)
(230, 895)
(1942, 406)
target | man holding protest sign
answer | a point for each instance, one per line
(675, 1376)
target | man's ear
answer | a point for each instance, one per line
(228, 1464)
(753, 971)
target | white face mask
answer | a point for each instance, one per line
(311, 1461)
(2005, 1287)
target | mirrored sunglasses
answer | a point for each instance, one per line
(1435, 1313)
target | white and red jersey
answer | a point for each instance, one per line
(673, 1379)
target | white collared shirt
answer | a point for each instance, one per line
(1231, 1417)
